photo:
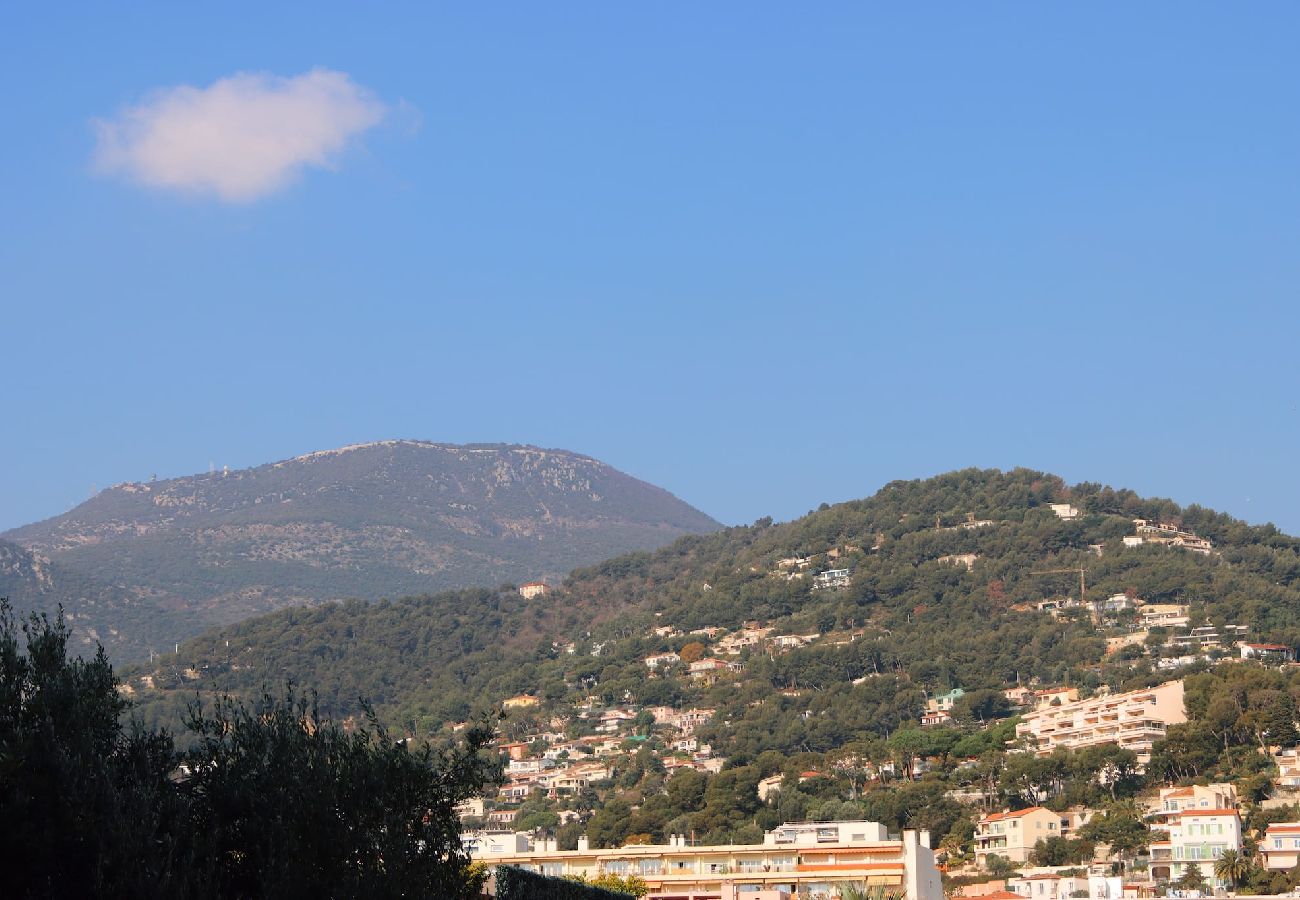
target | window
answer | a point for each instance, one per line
(650, 866)
(554, 869)
(618, 867)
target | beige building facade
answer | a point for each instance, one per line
(805, 859)
(1133, 720)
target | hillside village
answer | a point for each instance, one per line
(555, 772)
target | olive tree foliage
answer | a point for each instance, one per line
(269, 800)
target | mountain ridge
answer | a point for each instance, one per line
(368, 520)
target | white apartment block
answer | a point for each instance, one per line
(1133, 720)
(807, 860)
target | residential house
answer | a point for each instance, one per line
(1133, 720)
(710, 668)
(1166, 615)
(519, 701)
(661, 660)
(1288, 770)
(769, 786)
(946, 701)
(611, 720)
(1273, 653)
(1019, 695)
(1063, 510)
(1197, 837)
(960, 559)
(1281, 846)
(1012, 835)
(832, 579)
(1113, 604)
(473, 808)
(791, 641)
(1049, 697)
(533, 589)
(1172, 802)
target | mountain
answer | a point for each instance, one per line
(365, 521)
(941, 581)
(99, 613)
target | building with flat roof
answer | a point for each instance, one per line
(803, 859)
(1134, 720)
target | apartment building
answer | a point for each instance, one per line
(1165, 615)
(1133, 720)
(811, 860)
(1012, 835)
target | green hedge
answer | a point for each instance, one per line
(520, 884)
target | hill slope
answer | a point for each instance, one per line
(99, 613)
(372, 520)
(917, 614)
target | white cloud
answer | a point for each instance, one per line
(240, 139)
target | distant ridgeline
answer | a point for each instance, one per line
(803, 635)
(143, 565)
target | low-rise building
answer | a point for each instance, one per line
(1064, 510)
(533, 589)
(1166, 615)
(1197, 837)
(1012, 835)
(1172, 802)
(831, 579)
(661, 660)
(1288, 770)
(1281, 846)
(946, 701)
(1134, 720)
(1274, 653)
(808, 860)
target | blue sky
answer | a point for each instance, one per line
(763, 257)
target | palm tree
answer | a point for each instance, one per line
(1231, 867)
(863, 891)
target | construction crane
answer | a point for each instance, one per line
(1083, 582)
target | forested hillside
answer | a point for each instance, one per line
(375, 520)
(669, 684)
(918, 622)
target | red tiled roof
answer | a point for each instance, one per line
(996, 817)
(1207, 812)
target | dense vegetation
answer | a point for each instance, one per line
(910, 622)
(271, 800)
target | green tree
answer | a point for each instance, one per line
(1192, 879)
(1232, 868)
(90, 806)
(1121, 826)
